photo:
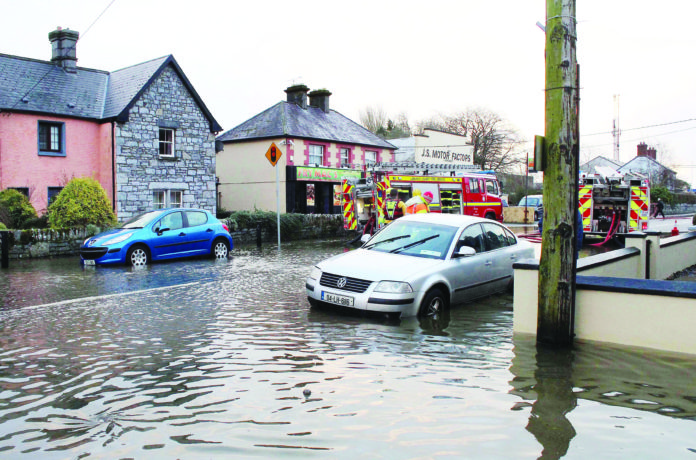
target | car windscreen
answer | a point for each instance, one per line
(141, 220)
(418, 239)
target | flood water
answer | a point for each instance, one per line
(225, 359)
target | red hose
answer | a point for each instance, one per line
(611, 232)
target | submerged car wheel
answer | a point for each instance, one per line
(433, 303)
(221, 249)
(137, 256)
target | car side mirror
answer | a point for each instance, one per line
(365, 238)
(465, 251)
(159, 231)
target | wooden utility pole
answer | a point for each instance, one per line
(561, 148)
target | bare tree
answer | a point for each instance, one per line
(496, 145)
(374, 119)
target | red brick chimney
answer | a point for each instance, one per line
(645, 151)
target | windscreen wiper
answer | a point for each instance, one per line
(387, 241)
(415, 243)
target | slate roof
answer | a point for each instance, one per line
(287, 119)
(34, 86)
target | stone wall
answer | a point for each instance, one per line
(37, 243)
(140, 170)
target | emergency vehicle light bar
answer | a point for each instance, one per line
(409, 165)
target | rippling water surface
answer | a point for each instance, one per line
(205, 359)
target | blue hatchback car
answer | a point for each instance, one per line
(159, 235)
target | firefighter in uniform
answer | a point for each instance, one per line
(394, 207)
(418, 204)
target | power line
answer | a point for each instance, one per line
(642, 127)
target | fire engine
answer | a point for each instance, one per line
(612, 203)
(456, 190)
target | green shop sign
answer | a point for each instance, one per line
(326, 174)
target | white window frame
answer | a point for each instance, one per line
(166, 142)
(345, 156)
(372, 157)
(316, 152)
(162, 199)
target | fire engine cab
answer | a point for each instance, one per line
(468, 192)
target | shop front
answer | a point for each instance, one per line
(316, 190)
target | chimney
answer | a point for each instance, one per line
(63, 44)
(652, 153)
(297, 94)
(320, 98)
(642, 149)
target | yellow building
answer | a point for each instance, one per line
(317, 148)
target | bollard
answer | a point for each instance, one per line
(5, 249)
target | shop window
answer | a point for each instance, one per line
(51, 138)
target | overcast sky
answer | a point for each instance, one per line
(418, 58)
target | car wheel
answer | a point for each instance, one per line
(433, 303)
(138, 256)
(221, 249)
(490, 216)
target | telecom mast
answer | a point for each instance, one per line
(616, 131)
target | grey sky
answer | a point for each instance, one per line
(420, 58)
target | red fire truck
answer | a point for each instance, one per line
(467, 192)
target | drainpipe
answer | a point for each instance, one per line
(647, 259)
(113, 166)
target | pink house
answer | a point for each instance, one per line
(142, 132)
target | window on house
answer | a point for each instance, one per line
(370, 157)
(23, 190)
(316, 155)
(345, 157)
(166, 142)
(167, 199)
(53, 193)
(51, 138)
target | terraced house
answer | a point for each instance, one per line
(143, 132)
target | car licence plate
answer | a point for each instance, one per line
(88, 262)
(337, 299)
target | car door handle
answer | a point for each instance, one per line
(182, 234)
(209, 230)
(489, 263)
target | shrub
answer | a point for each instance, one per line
(15, 208)
(83, 201)
(37, 222)
(661, 192)
(2, 226)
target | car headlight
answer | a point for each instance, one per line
(315, 274)
(118, 239)
(393, 287)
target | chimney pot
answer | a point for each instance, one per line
(320, 98)
(63, 46)
(297, 94)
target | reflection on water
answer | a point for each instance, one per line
(232, 363)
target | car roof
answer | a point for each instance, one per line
(454, 220)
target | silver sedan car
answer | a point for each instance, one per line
(419, 265)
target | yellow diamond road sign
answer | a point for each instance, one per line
(273, 154)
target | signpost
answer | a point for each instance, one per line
(273, 154)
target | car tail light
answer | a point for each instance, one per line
(225, 227)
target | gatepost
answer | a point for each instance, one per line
(5, 249)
